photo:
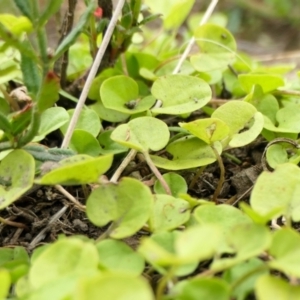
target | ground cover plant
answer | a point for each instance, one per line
(144, 157)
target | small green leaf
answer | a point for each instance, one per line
(66, 257)
(212, 38)
(31, 73)
(49, 93)
(25, 7)
(188, 152)
(51, 9)
(246, 241)
(270, 287)
(208, 130)
(278, 190)
(251, 271)
(108, 145)
(127, 203)
(72, 36)
(79, 169)
(240, 115)
(268, 82)
(16, 25)
(4, 123)
(285, 250)
(142, 134)
(176, 183)
(117, 256)
(204, 288)
(168, 213)
(88, 121)
(125, 98)
(51, 119)
(16, 175)
(114, 286)
(83, 142)
(180, 94)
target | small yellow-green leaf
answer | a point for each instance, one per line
(80, 169)
(142, 134)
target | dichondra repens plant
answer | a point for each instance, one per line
(152, 106)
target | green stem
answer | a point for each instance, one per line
(157, 173)
(163, 283)
(222, 175)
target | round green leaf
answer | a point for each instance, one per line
(270, 287)
(63, 258)
(142, 134)
(212, 38)
(51, 119)
(84, 142)
(240, 115)
(208, 130)
(107, 114)
(125, 98)
(278, 190)
(80, 169)
(115, 287)
(188, 152)
(88, 121)
(118, 256)
(168, 213)
(285, 250)
(204, 288)
(127, 203)
(268, 82)
(176, 183)
(16, 176)
(180, 94)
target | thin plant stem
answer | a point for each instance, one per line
(70, 197)
(163, 283)
(92, 74)
(189, 46)
(157, 173)
(130, 156)
(12, 223)
(196, 177)
(222, 175)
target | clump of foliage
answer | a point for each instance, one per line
(199, 248)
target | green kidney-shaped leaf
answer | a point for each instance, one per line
(114, 286)
(285, 250)
(84, 142)
(16, 176)
(180, 94)
(240, 115)
(270, 287)
(168, 213)
(278, 190)
(79, 169)
(208, 130)
(176, 183)
(117, 256)
(268, 82)
(127, 203)
(212, 38)
(204, 288)
(142, 134)
(51, 119)
(188, 152)
(125, 98)
(246, 241)
(68, 256)
(88, 121)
